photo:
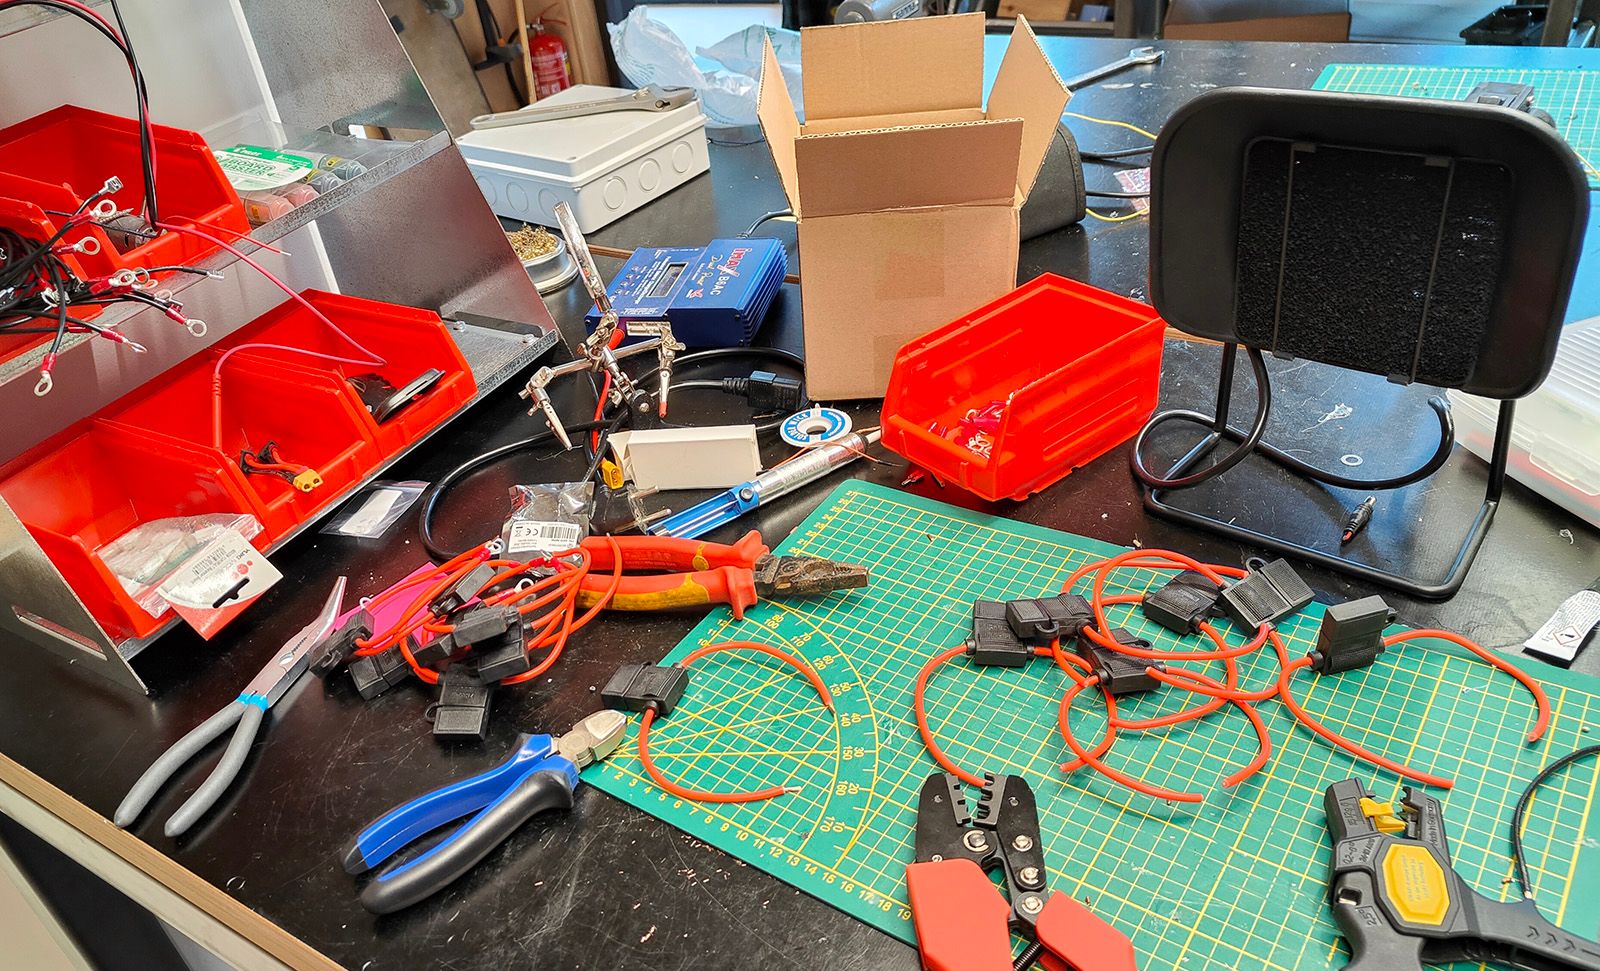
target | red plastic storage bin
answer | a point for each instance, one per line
(409, 340)
(57, 159)
(310, 418)
(151, 455)
(1076, 368)
(81, 490)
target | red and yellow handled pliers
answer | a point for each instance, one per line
(694, 573)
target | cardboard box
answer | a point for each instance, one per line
(1325, 21)
(906, 190)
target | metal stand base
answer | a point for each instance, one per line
(1442, 589)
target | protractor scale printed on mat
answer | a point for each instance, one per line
(1239, 881)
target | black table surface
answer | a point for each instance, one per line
(608, 885)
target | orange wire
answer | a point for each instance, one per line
(696, 795)
(1305, 718)
(1088, 758)
(1540, 699)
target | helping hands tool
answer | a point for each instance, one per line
(962, 922)
(781, 479)
(1400, 904)
(599, 352)
(651, 97)
(541, 774)
(708, 573)
(248, 711)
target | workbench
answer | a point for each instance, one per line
(609, 886)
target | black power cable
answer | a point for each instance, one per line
(1250, 442)
(448, 481)
(1518, 857)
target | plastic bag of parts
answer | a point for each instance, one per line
(148, 554)
(370, 515)
(648, 52)
(547, 519)
(742, 53)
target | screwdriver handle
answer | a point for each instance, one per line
(665, 553)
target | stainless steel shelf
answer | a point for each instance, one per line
(18, 19)
(384, 160)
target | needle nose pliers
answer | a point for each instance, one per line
(707, 573)
(246, 711)
(540, 774)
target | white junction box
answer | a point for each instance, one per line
(604, 166)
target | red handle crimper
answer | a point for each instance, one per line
(962, 921)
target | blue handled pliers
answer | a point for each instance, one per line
(541, 774)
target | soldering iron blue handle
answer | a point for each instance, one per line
(401, 825)
(548, 787)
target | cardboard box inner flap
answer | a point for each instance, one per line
(881, 133)
(905, 187)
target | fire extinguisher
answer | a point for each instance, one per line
(551, 72)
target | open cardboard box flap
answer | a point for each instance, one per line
(916, 142)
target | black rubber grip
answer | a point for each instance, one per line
(436, 869)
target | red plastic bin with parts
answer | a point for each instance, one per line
(94, 482)
(409, 340)
(152, 455)
(1076, 369)
(57, 159)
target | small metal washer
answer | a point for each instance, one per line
(1352, 459)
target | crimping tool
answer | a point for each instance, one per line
(540, 774)
(1400, 904)
(962, 922)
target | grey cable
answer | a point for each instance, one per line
(223, 775)
(171, 761)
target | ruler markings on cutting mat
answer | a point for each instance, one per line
(1570, 95)
(1239, 882)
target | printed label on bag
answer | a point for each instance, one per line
(526, 536)
(250, 167)
(216, 583)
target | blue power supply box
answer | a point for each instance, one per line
(716, 296)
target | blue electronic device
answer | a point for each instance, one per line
(715, 296)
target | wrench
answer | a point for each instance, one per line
(1136, 57)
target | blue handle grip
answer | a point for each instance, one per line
(405, 823)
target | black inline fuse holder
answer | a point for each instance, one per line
(333, 653)
(504, 656)
(1351, 635)
(1182, 605)
(483, 623)
(435, 652)
(1269, 593)
(462, 711)
(1045, 619)
(992, 642)
(377, 673)
(1120, 674)
(644, 687)
(463, 590)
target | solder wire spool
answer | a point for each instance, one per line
(814, 426)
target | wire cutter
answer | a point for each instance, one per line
(247, 711)
(962, 922)
(1400, 904)
(708, 573)
(540, 774)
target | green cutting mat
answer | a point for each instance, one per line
(1236, 883)
(1571, 96)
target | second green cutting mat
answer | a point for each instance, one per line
(1239, 882)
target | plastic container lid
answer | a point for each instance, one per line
(576, 149)
(1553, 436)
